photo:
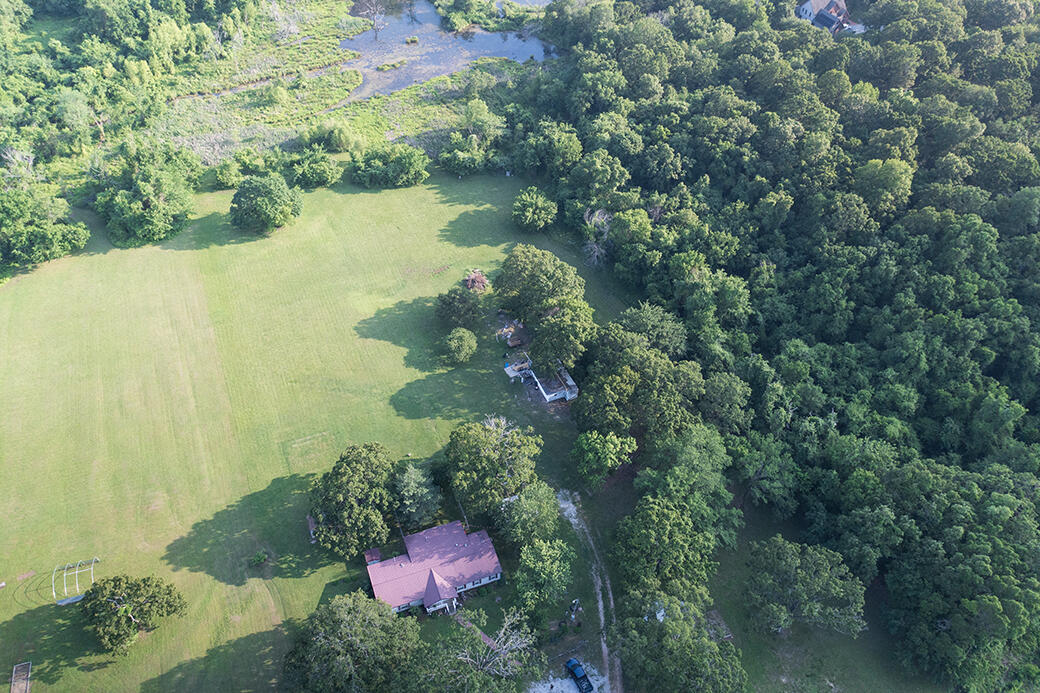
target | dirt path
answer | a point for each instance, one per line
(600, 581)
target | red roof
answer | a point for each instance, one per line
(438, 589)
(438, 561)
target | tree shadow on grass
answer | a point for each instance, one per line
(461, 393)
(409, 324)
(489, 224)
(338, 588)
(250, 663)
(272, 520)
(55, 639)
(479, 227)
(212, 230)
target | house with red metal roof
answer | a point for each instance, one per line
(438, 564)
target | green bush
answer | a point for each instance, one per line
(253, 162)
(342, 139)
(273, 94)
(334, 136)
(263, 203)
(149, 192)
(229, 175)
(393, 166)
(316, 169)
(460, 345)
(464, 155)
(533, 211)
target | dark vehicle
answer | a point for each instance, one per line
(579, 676)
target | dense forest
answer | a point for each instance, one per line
(837, 241)
(848, 231)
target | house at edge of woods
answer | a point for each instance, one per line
(831, 15)
(438, 564)
(559, 385)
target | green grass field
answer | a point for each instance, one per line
(164, 407)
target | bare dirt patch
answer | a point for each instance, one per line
(600, 581)
(26, 576)
(566, 685)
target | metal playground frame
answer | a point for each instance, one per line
(81, 567)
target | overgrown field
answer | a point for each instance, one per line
(162, 408)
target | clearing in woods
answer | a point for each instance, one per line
(165, 406)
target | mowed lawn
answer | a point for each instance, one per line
(164, 408)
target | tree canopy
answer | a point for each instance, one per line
(264, 203)
(352, 501)
(393, 166)
(145, 191)
(533, 514)
(355, 643)
(792, 582)
(490, 461)
(544, 574)
(119, 608)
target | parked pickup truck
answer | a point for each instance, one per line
(581, 679)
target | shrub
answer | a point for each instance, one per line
(316, 169)
(393, 166)
(273, 94)
(533, 211)
(263, 203)
(253, 162)
(464, 155)
(460, 345)
(229, 174)
(334, 136)
(149, 194)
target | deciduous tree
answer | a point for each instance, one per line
(460, 345)
(792, 582)
(533, 514)
(544, 574)
(351, 502)
(264, 203)
(532, 210)
(357, 644)
(489, 461)
(597, 455)
(459, 307)
(121, 607)
(666, 647)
